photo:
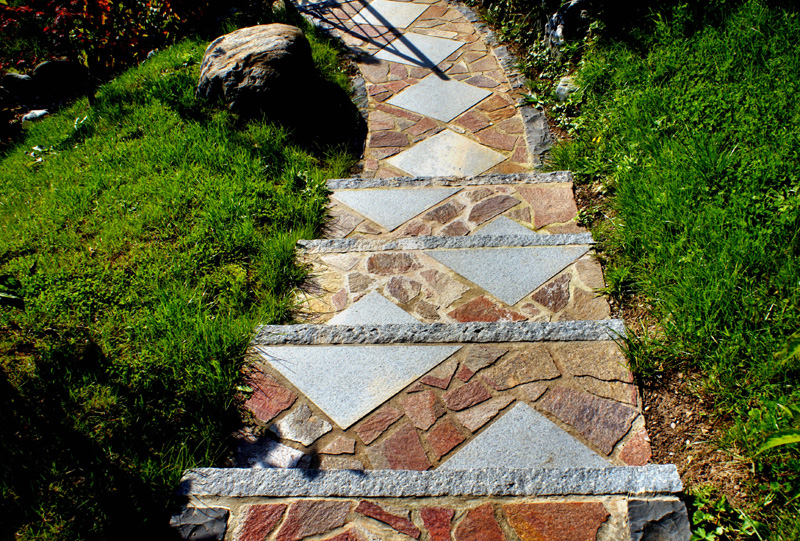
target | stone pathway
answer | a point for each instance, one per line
(456, 375)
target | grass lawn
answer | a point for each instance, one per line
(142, 239)
(695, 135)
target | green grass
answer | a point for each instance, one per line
(141, 240)
(696, 135)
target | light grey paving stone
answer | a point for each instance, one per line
(503, 226)
(433, 333)
(482, 180)
(391, 208)
(524, 438)
(302, 426)
(651, 479)
(373, 309)
(391, 14)
(509, 273)
(348, 382)
(442, 99)
(330, 246)
(263, 452)
(446, 153)
(418, 50)
(656, 520)
(200, 523)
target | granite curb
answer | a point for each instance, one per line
(435, 333)
(478, 180)
(330, 246)
(627, 480)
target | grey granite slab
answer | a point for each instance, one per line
(434, 333)
(652, 479)
(390, 208)
(524, 438)
(446, 153)
(331, 246)
(509, 273)
(348, 382)
(439, 97)
(373, 309)
(482, 180)
(418, 50)
(503, 226)
(390, 14)
(262, 452)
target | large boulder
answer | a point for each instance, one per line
(60, 79)
(258, 68)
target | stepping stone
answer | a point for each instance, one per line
(524, 438)
(509, 273)
(390, 14)
(442, 99)
(418, 50)
(391, 208)
(348, 382)
(446, 154)
(373, 309)
(503, 226)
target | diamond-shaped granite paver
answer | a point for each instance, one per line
(524, 438)
(391, 208)
(439, 97)
(418, 50)
(386, 13)
(373, 309)
(455, 154)
(509, 273)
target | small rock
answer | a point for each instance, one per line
(269, 398)
(35, 114)
(480, 524)
(259, 520)
(263, 452)
(446, 288)
(403, 289)
(388, 263)
(576, 521)
(342, 445)
(566, 86)
(489, 208)
(441, 376)
(444, 437)
(377, 423)
(399, 523)
(476, 417)
(483, 309)
(422, 409)
(200, 523)
(437, 521)
(658, 520)
(301, 426)
(400, 451)
(466, 396)
(524, 366)
(554, 295)
(312, 517)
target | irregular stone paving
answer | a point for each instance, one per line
(466, 335)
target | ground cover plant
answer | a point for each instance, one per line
(142, 239)
(694, 133)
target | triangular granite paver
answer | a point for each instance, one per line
(509, 273)
(391, 208)
(373, 309)
(503, 226)
(524, 438)
(439, 97)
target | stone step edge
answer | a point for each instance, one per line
(254, 482)
(476, 180)
(330, 246)
(438, 333)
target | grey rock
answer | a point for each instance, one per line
(258, 67)
(200, 523)
(373, 309)
(263, 452)
(301, 426)
(391, 208)
(327, 246)
(658, 520)
(421, 333)
(482, 180)
(537, 133)
(566, 86)
(503, 226)
(18, 85)
(60, 78)
(651, 479)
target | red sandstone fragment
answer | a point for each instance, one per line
(489, 208)
(556, 521)
(423, 409)
(401, 524)
(550, 204)
(479, 525)
(259, 520)
(396, 263)
(403, 450)
(437, 522)
(444, 437)
(637, 451)
(269, 398)
(466, 396)
(377, 423)
(312, 517)
(483, 309)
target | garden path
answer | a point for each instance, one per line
(456, 376)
